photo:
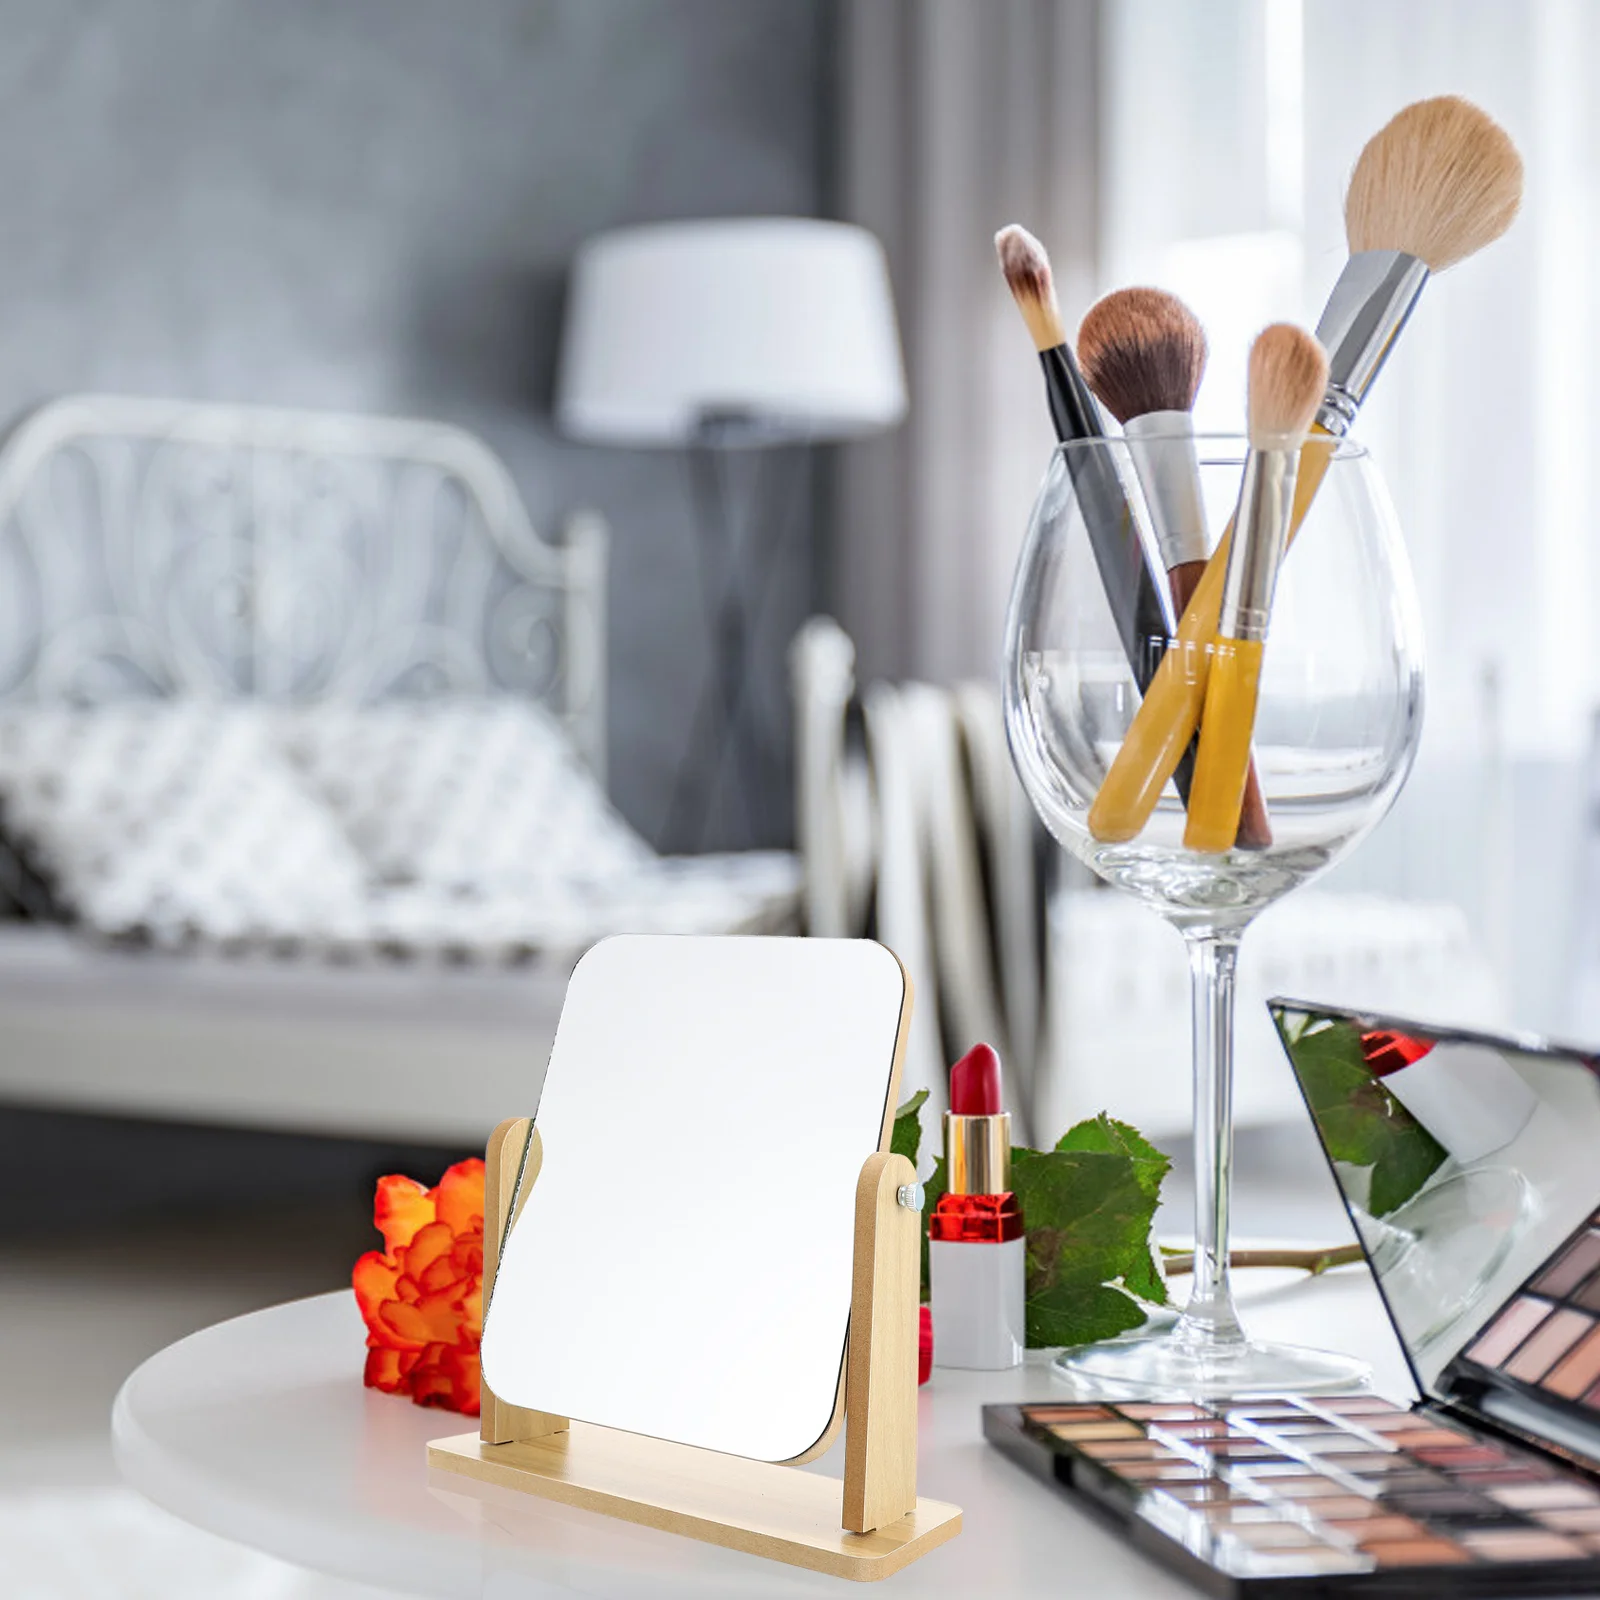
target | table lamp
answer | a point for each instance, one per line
(715, 336)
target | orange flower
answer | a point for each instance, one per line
(421, 1296)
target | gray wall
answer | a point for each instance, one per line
(371, 204)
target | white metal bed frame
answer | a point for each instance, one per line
(167, 546)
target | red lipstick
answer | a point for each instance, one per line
(975, 1236)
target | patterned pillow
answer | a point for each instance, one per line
(472, 797)
(179, 821)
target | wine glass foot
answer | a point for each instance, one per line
(1168, 1366)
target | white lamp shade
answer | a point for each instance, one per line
(786, 322)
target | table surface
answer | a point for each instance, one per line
(259, 1429)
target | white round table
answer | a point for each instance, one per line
(260, 1430)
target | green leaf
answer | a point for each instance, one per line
(1361, 1122)
(1106, 1134)
(1145, 1279)
(906, 1138)
(1087, 1216)
(1069, 1316)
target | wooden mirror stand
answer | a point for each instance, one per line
(869, 1527)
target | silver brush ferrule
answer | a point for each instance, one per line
(1261, 527)
(1161, 444)
(1368, 307)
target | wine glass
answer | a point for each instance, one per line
(1337, 726)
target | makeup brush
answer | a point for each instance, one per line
(1288, 378)
(1143, 614)
(1436, 184)
(1143, 354)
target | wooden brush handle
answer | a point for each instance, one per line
(1255, 828)
(1226, 727)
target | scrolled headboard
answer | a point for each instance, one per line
(163, 547)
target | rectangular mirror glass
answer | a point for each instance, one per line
(681, 1267)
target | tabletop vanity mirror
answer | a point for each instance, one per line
(701, 1258)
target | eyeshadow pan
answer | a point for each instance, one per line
(1127, 1450)
(1454, 1457)
(1586, 1520)
(1096, 1430)
(1424, 1438)
(1210, 1429)
(1578, 1370)
(1298, 1563)
(1555, 1336)
(1346, 1508)
(1274, 1535)
(1066, 1413)
(1523, 1544)
(1400, 1422)
(1577, 1262)
(1307, 1488)
(1381, 1529)
(1507, 1331)
(1166, 1471)
(1353, 1405)
(1334, 1443)
(1545, 1496)
(1589, 1295)
(1418, 1553)
(1151, 1412)
(1210, 1492)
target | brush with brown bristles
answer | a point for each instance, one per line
(1144, 616)
(1143, 354)
(1288, 376)
(1436, 184)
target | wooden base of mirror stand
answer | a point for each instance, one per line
(868, 1527)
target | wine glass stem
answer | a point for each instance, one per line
(1210, 1319)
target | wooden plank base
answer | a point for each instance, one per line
(768, 1510)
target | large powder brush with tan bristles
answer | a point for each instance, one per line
(1288, 373)
(1439, 181)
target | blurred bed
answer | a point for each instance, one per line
(301, 742)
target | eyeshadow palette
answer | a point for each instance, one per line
(1467, 1164)
(1547, 1340)
(1298, 1496)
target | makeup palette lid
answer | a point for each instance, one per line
(1470, 1166)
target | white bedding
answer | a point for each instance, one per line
(464, 830)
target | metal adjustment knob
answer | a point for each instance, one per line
(912, 1196)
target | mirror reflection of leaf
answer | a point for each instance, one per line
(1362, 1124)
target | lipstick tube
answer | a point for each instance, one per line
(976, 1248)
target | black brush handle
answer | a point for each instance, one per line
(1133, 591)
